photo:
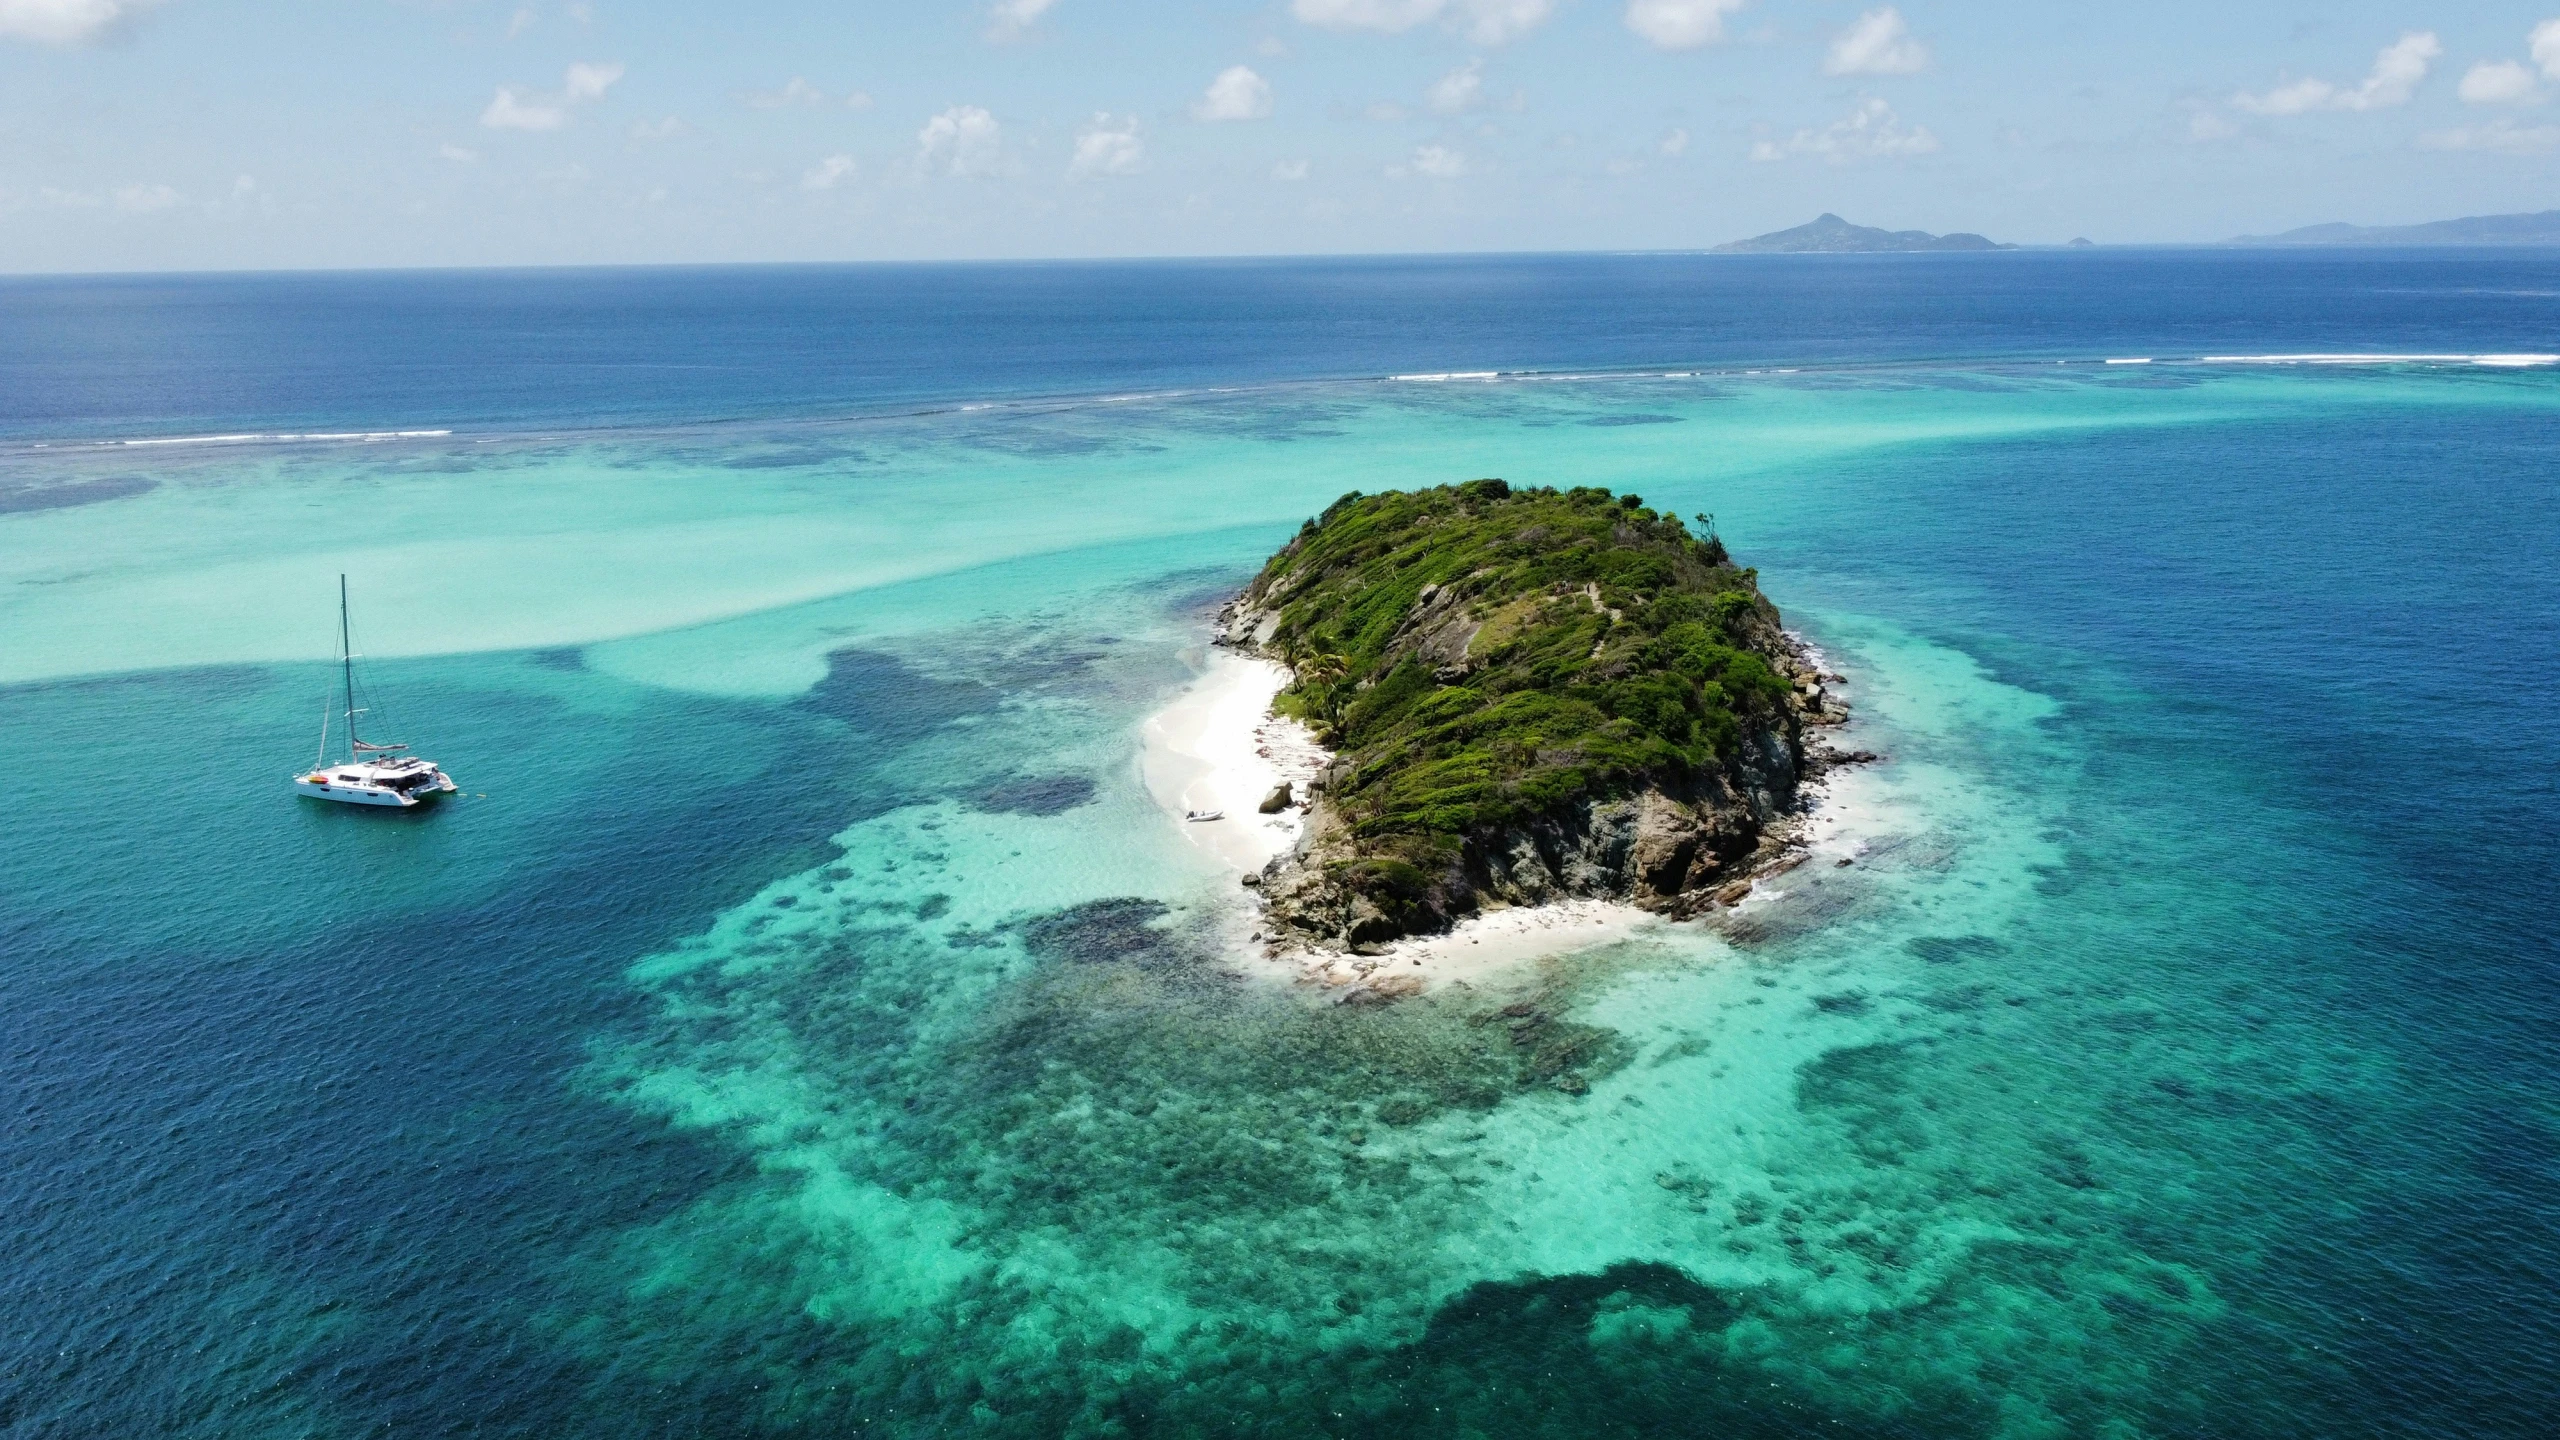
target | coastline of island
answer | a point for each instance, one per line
(1679, 841)
(1219, 750)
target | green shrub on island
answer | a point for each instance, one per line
(1480, 655)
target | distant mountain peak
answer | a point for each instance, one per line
(2541, 228)
(1828, 234)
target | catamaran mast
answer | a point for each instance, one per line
(347, 659)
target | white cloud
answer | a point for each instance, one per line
(1391, 16)
(963, 140)
(1439, 162)
(827, 174)
(2545, 45)
(1010, 19)
(1879, 44)
(1237, 94)
(512, 111)
(520, 22)
(1485, 22)
(1674, 143)
(589, 81)
(2504, 136)
(2397, 69)
(457, 154)
(1107, 147)
(143, 199)
(2506, 82)
(1869, 132)
(1290, 170)
(666, 129)
(1680, 24)
(1496, 22)
(2497, 82)
(1458, 90)
(66, 22)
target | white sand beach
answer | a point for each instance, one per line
(1218, 747)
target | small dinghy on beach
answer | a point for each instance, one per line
(1197, 816)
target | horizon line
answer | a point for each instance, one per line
(1704, 252)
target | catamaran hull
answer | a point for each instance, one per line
(368, 795)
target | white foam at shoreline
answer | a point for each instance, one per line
(1486, 945)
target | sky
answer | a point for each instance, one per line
(220, 134)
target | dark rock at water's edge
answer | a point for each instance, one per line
(1533, 695)
(1828, 234)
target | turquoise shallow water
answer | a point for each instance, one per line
(806, 1024)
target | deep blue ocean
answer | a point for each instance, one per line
(175, 355)
(805, 1023)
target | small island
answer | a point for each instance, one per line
(1528, 695)
(1828, 234)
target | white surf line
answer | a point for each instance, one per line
(2503, 361)
(273, 438)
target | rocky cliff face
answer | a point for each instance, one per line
(1695, 781)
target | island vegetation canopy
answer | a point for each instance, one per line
(1479, 653)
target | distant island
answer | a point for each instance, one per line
(1531, 695)
(1831, 235)
(2541, 228)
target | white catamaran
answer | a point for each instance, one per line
(372, 774)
